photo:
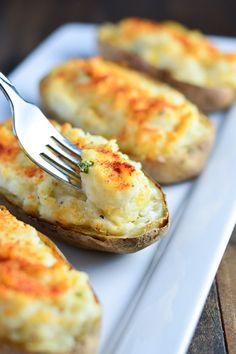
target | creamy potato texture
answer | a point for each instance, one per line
(45, 305)
(116, 197)
(186, 54)
(148, 119)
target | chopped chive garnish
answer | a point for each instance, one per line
(85, 165)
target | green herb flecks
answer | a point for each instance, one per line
(85, 165)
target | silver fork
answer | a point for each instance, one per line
(41, 142)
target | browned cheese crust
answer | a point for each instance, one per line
(169, 155)
(15, 282)
(208, 99)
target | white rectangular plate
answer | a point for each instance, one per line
(152, 300)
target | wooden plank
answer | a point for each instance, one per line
(209, 335)
(226, 282)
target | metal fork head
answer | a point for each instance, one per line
(41, 142)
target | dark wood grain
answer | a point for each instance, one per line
(226, 281)
(25, 23)
(209, 334)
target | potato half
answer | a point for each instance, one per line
(171, 53)
(119, 209)
(46, 306)
(152, 123)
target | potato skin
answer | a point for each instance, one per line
(87, 345)
(87, 239)
(208, 99)
(177, 168)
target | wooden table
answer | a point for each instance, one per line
(216, 330)
(23, 24)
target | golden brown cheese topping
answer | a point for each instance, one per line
(40, 290)
(26, 262)
(187, 54)
(191, 41)
(116, 196)
(147, 118)
(112, 164)
(17, 276)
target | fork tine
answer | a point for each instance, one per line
(67, 144)
(56, 172)
(63, 153)
(55, 160)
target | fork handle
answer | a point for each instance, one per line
(9, 90)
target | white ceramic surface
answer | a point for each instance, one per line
(152, 300)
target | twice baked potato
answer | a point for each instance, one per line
(46, 306)
(152, 123)
(119, 209)
(172, 53)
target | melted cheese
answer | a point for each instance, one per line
(116, 197)
(148, 119)
(186, 54)
(45, 305)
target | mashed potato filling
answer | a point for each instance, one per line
(187, 55)
(148, 119)
(116, 197)
(45, 305)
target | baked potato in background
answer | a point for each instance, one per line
(170, 52)
(119, 209)
(46, 306)
(152, 123)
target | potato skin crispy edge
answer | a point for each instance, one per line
(88, 239)
(178, 168)
(208, 99)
